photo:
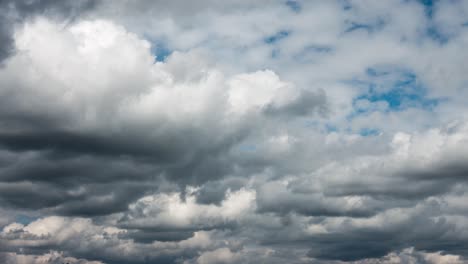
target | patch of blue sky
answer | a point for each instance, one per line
(277, 37)
(398, 89)
(406, 92)
(24, 219)
(325, 127)
(356, 26)
(436, 35)
(275, 53)
(368, 27)
(295, 6)
(346, 4)
(428, 6)
(432, 31)
(317, 49)
(160, 51)
(367, 132)
(331, 128)
(311, 53)
(373, 72)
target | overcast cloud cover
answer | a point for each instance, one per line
(208, 131)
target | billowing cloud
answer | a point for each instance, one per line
(208, 132)
(16, 12)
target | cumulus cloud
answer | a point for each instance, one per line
(176, 132)
(80, 236)
(108, 99)
(220, 255)
(53, 257)
(14, 12)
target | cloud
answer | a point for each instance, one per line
(409, 255)
(175, 132)
(220, 255)
(81, 237)
(139, 115)
(168, 212)
(53, 257)
(14, 12)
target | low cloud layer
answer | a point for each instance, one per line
(154, 132)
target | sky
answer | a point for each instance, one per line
(234, 131)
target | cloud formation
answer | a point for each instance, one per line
(157, 132)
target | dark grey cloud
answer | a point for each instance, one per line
(410, 184)
(277, 198)
(71, 184)
(358, 239)
(307, 103)
(149, 236)
(215, 191)
(419, 231)
(94, 174)
(69, 142)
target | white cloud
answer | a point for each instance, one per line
(53, 257)
(169, 211)
(220, 255)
